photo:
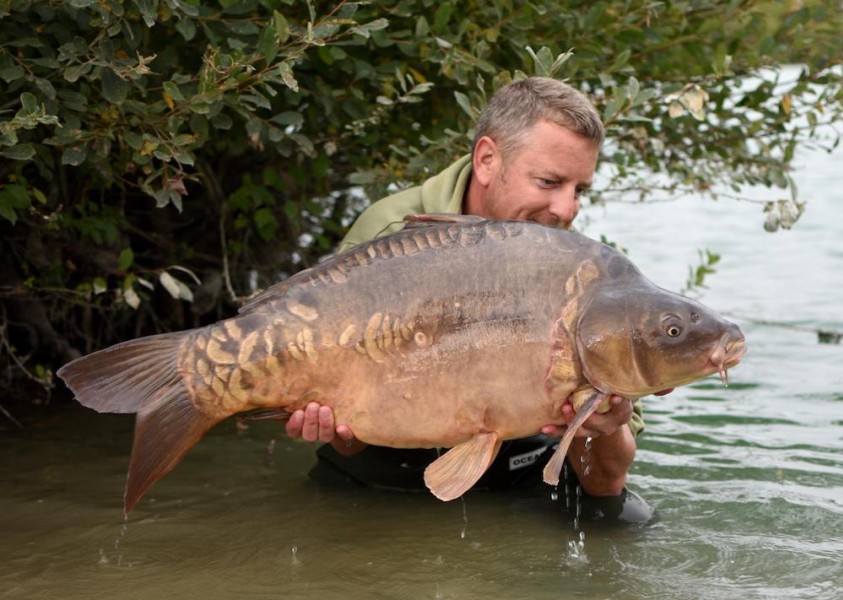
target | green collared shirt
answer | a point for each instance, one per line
(442, 193)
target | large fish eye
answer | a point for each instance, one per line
(673, 330)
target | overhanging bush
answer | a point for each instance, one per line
(163, 159)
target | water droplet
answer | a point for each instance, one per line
(586, 467)
(576, 550)
(578, 508)
(567, 481)
(464, 517)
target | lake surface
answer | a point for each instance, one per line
(746, 481)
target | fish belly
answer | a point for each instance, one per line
(424, 402)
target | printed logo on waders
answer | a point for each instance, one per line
(525, 460)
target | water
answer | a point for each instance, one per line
(747, 481)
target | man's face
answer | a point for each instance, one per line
(542, 180)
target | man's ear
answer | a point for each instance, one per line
(485, 161)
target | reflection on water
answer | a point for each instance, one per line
(747, 480)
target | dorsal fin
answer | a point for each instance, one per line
(424, 219)
(276, 290)
(352, 258)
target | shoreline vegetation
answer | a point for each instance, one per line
(162, 161)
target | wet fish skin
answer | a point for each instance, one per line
(516, 318)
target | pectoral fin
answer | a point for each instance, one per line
(554, 465)
(452, 474)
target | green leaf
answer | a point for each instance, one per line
(645, 96)
(13, 198)
(266, 222)
(256, 100)
(45, 87)
(422, 27)
(632, 88)
(7, 212)
(114, 88)
(286, 72)
(442, 16)
(148, 10)
(173, 90)
(74, 72)
(187, 29)
(622, 60)
(222, 121)
(100, 286)
(29, 103)
(126, 258)
(11, 71)
(268, 45)
(19, 152)
(612, 108)
(282, 27)
(187, 8)
(288, 118)
(464, 103)
(74, 155)
(367, 29)
(133, 139)
(542, 61)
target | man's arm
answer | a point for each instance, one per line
(602, 469)
(602, 463)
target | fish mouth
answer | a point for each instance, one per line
(727, 354)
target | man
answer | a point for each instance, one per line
(535, 152)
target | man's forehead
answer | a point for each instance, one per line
(559, 166)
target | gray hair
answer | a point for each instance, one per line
(517, 107)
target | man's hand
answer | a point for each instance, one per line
(602, 466)
(316, 423)
(619, 414)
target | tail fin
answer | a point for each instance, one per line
(141, 376)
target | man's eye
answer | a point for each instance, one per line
(546, 182)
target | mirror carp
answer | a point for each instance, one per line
(455, 332)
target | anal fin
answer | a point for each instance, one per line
(452, 474)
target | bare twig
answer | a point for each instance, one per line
(10, 417)
(44, 382)
(214, 190)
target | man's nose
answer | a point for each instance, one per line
(565, 206)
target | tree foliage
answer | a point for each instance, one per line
(164, 158)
